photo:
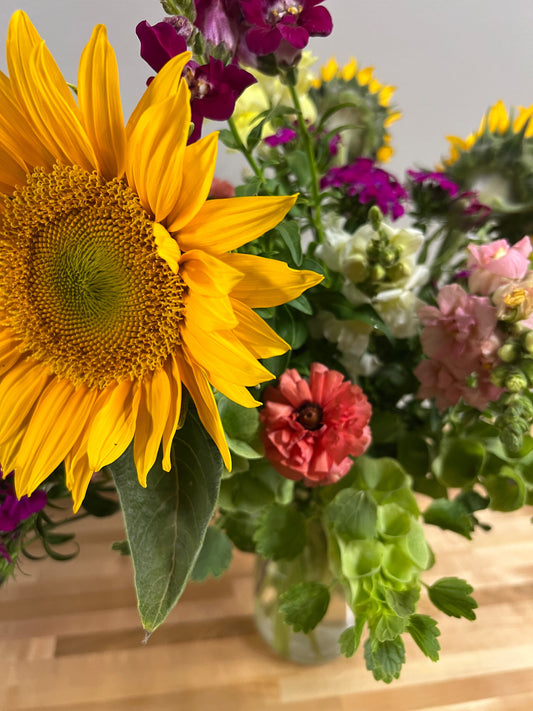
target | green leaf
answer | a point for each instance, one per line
(123, 547)
(451, 516)
(460, 462)
(214, 557)
(403, 602)
(290, 234)
(352, 514)
(385, 659)
(240, 528)
(423, 629)
(98, 505)
(351, 637)
(389, 626)
(301, 304)
(166, 522)
(280, 533)
(228, 139)
(303, 605)
(241, 423)
(507, 490)
(452, 596)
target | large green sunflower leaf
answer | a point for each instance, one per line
(166, 522)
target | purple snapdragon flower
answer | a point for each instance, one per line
(214, 87)
(220, 21)
(159, 43)
(292, 21)
(362, 179)
(214, 90)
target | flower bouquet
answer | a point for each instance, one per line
(310, 366)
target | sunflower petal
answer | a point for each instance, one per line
(268, 282)
(195, 380)
(228, 223)
(261, 340)
(20, 388)
(214, 314)
(113, 426)
(167, 247)
(199, 163)
(154, 408)
(208, 275)
(100, 104)
(171, 426)
(57, 420)
(221, 352)
(16, 132)
(164, 84)
(45, 95)
(156, 147)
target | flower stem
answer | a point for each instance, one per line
(315, 189)
(245, 151)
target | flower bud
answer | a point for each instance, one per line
(509, 352)
(377, 273)
(388, 256)
(375, 216)
(516, 381)
(512, 441)
(498, 375)
(526, 365)
(527, 341)
(402, 270)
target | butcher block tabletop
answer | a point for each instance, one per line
(70, 638)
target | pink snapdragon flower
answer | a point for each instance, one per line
(310, 429)
(492, 265)
(461, 339)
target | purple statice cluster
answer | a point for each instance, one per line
(14, 513)
(246, 30)
(371, 185)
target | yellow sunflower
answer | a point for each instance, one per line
(118, 283)
(371, 100)
(496, 122)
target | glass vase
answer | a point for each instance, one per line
(273, 578)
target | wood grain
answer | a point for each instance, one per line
(70, 639)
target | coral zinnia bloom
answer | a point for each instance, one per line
(117, 280)
(310, 429)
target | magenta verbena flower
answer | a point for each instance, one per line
(292, 21)
(281, 137)
(312, 428)
(370, 184)
(13, 510)
(434, 179)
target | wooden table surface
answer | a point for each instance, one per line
(70, 639)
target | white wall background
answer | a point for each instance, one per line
(450, 60)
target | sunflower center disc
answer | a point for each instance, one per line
(82, 284)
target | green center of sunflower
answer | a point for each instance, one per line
(82, 284)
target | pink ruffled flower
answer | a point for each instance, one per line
(311, 429)
(447, 387)
(461, 339)
(494, 264)
(461, 331)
